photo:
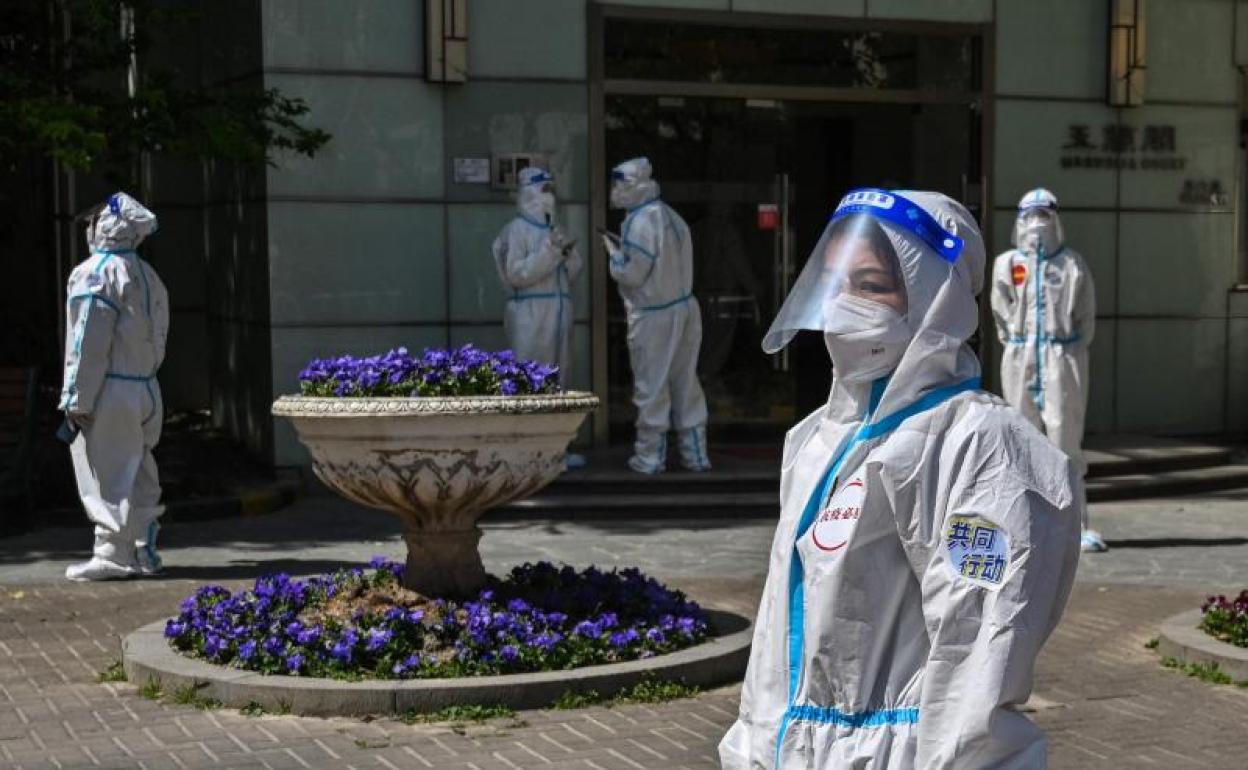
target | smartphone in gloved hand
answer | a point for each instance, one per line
(610, 241)
(67, 431)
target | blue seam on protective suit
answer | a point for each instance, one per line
(797, 621)
(81, 331)
(1037, 389)
(904, 213)
(129, 377)
(562, 270)
(644, 251)
(96, 298)
(696, 446)
(153, 557)
(147, 302)
(625, 242)
(666, 305)
(539, 225)
(671, 225)
(1047, 338)
(521, 297)
(875, 718)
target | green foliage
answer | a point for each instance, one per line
(1226, 619)
(63, 66)
(1151, 644)
(476, 713)
(362, 743)
(1206, 672)
(189, 695)
(656, 691)
(648, 690)
(151, 689)
(116, 672)
(576, 700)
(252, 709)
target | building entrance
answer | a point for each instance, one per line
(757, 169)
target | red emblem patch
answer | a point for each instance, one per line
(835, 525)
(1019, 273)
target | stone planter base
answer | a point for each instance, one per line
(719, 660)
(1181, 638)
(439, 464)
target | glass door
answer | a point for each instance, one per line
(720, 165)
(756, 180)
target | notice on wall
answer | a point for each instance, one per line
(472, 170)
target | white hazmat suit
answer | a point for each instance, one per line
(653, 265)
(538, 267)
(927, 540)
(1044, 303)
(118, 321)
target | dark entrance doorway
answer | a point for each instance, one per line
(757, 169)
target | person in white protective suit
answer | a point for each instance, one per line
(928, 536)
(538, 266)
(1044, 303)
(652, 261)
(118, 321)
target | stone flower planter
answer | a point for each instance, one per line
(439, 463)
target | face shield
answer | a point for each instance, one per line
(854, 282)
(1038, 230)
(631, 184)
(537, 194)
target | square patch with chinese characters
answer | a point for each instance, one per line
(978, 549)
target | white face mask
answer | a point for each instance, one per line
(620, 198)
(546, 204)
(1036, 233)
(865, 338)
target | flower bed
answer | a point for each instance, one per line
(1226, 619)
(364, 624)
(465, 371)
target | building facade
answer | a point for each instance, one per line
(757, 115)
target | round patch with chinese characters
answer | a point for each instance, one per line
(1019, 274)
(978, 549)
(832, 530)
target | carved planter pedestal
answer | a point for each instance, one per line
(439, 464)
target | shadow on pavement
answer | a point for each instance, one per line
(1177, 542)
(246, 570)
(317, 522)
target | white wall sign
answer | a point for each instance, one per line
(472, 170)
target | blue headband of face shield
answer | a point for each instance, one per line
(896, 210)
(539, 179)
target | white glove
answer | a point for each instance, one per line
(612, 245)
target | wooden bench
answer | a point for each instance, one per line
(19, 387)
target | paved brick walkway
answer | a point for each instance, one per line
(1104, 700)
(1102, 697)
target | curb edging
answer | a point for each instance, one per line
(147, 655)
(1182, 639)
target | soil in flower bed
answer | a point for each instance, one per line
(363, 624)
